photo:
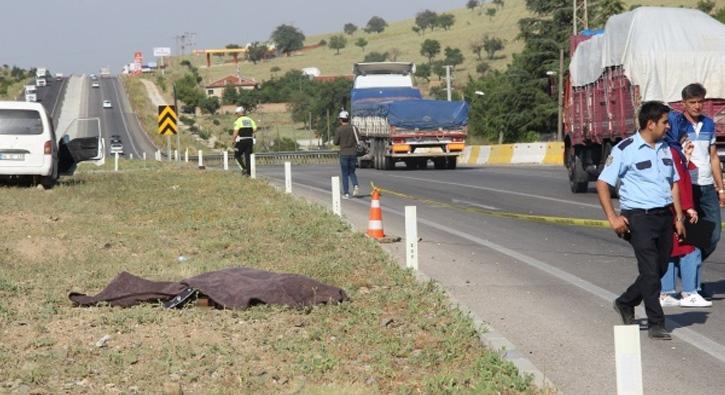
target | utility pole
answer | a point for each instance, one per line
(448, 82)
(580, 19)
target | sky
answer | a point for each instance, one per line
(80, 36)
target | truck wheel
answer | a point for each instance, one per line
(576, 173)
(439, 163)
(388, 163)
(451, 163)
(411, 164)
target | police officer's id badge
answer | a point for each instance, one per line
(610, 159)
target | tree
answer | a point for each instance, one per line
(605, 9)
(288, 39)
(426, 19)
(705, 6)
(429, 49)
(337, 42)
(376, 57)
(362, 43)
(472, 4)
(274, 70)
(476, 47)
(256, 52)
(209, 104)
(350, 28)
(376, 24)
(438, 69)
(189, 92)
(423, 70)
(454, 57)
(720, 15)
(492, 45)
(446, 21)
(491, 12)
(416, 29)
(230, 95)
(482, 68)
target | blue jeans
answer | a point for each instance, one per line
(347, 167)
(708, 208)
(688, 267)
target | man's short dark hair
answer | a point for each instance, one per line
(651, 111)
(694, 90)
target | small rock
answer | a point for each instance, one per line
(102, 341)
(172, 389)
(386, 321)
(174, 377)
(82, 383)
(364, 290)
(370, 380)
(133, 389)
(107, 246)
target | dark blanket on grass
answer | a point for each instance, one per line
(235, 288)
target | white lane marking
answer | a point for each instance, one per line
(123, 116)
(703, 343)
(466, 202)
(528, 195)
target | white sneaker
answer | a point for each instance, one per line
(694, 300)
(668, 301)
(346, 196)
(355, 190)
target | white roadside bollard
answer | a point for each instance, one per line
(335, 181)
(252, 166)
(411, 237)
(226, 160)
(287, 177)
(176, 155)
(628, 360)
(201, 159)
(158, 155)
(186, 156)
(130, 156)
(115, 162)
(144, 155)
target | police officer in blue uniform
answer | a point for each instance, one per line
(648, 197)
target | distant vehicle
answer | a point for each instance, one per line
(107, 104)
(115, 137)
(29, 149)
(31, 93)
(94, 77)
(41, 81)
(105, 71)
(398, 125)
(95, 84)
(59, 76)
(42, 76)
(116, 147)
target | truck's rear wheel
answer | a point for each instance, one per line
(439, 163)
(451, 162)
(577, 173)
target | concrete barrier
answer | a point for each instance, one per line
(544, 153)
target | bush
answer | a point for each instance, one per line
(187, 121)
(215, 122)
(283, 144)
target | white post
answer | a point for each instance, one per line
(628, 360)
(201, 159)
(144, 155)
(186, 156)
(287, 177)
(115, 162)
(411, 238)
(225, 155)
(158, 155)
(252, 166)
(130, 157)
(336, 196)
(176, 155)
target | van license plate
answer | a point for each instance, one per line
(12, 156)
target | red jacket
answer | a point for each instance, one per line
(686, 201)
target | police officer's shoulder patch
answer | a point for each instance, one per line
(624, 143)
(610, 159)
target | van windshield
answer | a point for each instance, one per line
(20, 122)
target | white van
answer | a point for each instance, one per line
(30, 150)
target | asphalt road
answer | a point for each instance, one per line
(51, 97)
(548, 288)
(119, 119)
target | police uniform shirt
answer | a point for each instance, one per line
(245, 126)
(646, 173)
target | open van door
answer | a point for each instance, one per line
(82, 141)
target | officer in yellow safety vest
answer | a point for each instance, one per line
(243, 139)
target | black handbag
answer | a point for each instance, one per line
(360, 147)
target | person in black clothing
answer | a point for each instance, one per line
(243, 140)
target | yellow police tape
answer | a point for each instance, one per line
(592, 223)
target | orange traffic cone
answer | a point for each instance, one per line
(375, 223)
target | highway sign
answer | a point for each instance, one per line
(167, 120)
(162, 51)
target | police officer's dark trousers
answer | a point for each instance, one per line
(651, 234)
(242, 154)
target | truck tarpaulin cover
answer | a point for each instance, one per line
(427, 114)
(365, 101)
(661, 49)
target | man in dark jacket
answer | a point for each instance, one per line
(345, 138)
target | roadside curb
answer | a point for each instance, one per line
(542, 153)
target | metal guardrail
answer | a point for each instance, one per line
(215, 159)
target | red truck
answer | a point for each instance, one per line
(650, 53)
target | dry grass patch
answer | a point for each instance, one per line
(395, 335)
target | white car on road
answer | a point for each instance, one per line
(107, 104)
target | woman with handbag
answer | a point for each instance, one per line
(346, 138)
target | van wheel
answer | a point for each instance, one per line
(48, 182)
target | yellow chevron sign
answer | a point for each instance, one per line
(167, 120)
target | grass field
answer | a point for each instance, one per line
(395, 335)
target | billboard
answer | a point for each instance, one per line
(162, 51)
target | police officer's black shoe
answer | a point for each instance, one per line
(624, 311)
(658, 332)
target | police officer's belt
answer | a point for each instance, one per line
(652, 211)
